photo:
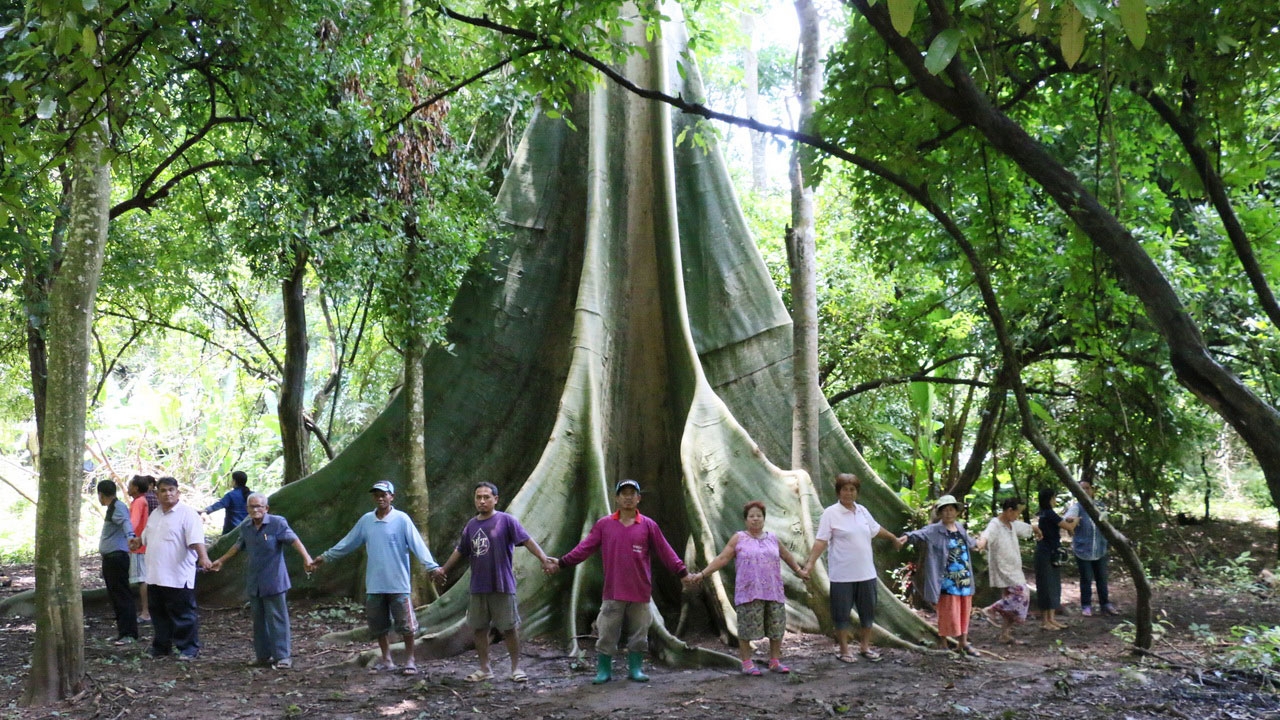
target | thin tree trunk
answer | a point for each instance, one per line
(751, 91)
(801, 244)
(293, 381)
(57, 661)
(982, 442)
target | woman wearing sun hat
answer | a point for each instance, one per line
(947, 580)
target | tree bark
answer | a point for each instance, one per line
(293, 381)
(57, 661)
(801, 250)
(1257, 422)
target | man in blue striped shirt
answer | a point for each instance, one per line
(388, 536)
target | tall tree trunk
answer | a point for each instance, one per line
(415, 496)
(988, 425)
(293, 381)
(57, 662)
(801, 249)
(751, 91)
(37, 281)
(1257, 422)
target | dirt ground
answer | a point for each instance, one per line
(1082, 672)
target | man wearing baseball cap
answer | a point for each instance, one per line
(388, 536)
(625, 540)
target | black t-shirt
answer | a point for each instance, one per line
(1049, 520)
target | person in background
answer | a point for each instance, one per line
(1004, 567)
(113, 545)
(947, 572)
(174, 539)
(236, 503)
(488, 543)
(139, 511)
(847, 529)
(389, 537)
(758, 598)
(266, 536)
(1090, 548)
(1048, 575)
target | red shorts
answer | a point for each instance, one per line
(953, 615)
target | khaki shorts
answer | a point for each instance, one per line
(383, 611)
(493, 610)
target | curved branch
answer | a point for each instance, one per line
(465, 82)
(1217, 190)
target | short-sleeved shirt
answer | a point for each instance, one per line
(489, 544)
(139, 510)
(169, 536)
(266, 573)
(1087, 542)
(848, 534)
(1049, 529)
(1004, 563)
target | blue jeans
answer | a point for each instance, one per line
(1090, 571)
(271, 638)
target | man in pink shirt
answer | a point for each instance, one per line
(625, 540)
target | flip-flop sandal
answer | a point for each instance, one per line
(519, 676)
(871, 655)
(479, 676)
(777, 667)
(971, 652)
(381, 666)
(847, 658)
(409, 670)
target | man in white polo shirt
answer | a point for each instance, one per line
(174, 537)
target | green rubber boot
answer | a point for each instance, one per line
(634, 662)
(604, 669)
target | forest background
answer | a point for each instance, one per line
(285, 235)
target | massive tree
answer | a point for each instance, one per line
(623, 325)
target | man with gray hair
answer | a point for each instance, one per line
(266, 536)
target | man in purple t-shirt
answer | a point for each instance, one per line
(488, 542)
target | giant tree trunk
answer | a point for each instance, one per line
(57, 662)
(623, 326)
(1257, 422)
(293, 431)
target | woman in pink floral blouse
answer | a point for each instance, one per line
(758, 598)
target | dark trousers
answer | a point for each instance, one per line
(115, 574)
(1091, 571)
(1048, 581)
(174, 620)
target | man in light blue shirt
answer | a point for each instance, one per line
(388, 536)
(1090, 548)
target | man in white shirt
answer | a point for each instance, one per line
(174, 537)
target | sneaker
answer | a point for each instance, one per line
(1086, 610)
(749, 668)
(1110, 609)
(184, 657)
(284, 664)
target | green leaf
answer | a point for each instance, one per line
(942, 50)
(1027, 18)
(1133, 16)
(1038, 410)
(46, 108)
(88, 41)
(1072, 39)
(89, 5)
(902, 13)
(1090, 9)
